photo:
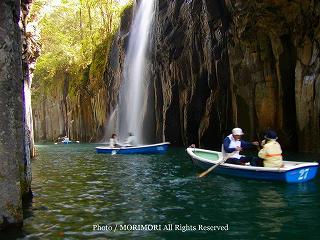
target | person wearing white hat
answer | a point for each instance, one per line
(233, 145)
(131, 141)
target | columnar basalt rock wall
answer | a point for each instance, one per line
(218, 64)
(75, 104)
(253, 64)
(192, 82)
(79, 106)
(274, 68)
(30, 53)
(12, 116)
(79, 115)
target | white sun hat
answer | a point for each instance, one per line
(237, 131)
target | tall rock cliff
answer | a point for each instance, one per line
(191, 72)
(75, 103)
(253, 64)
(216, 64)
(189, 81)
(30, 53)
(79, 102)
(274, 64)
(12, 164)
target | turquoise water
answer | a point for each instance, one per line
(75, 188)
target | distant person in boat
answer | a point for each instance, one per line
(113, 142)
(271, 153)
(233, 145)
(131, 141)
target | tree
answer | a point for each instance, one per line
(70, 32)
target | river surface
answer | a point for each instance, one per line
(76, 189)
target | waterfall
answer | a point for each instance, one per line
(133, 94)
(112, 125)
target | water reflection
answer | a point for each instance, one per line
(272, 205)
(75, 188)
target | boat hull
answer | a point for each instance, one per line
(144, 149)
(301, 172)
(67, 142)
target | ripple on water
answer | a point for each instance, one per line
(75, 188)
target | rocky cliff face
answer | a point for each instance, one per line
(191, 72)
(30, 53)
(217, 64)
(274, 64)
(253, 64)
(12, 163)
(16, 138)
(75, 104)
(79, 105)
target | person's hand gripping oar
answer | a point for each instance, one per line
(216, 165)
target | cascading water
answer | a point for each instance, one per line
(133, 94)
(112, 126)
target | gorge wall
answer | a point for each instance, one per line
(15, 131)
(78, 103)
(253, 64)
(216, 64)
(30, 52)
(191, 72)
(75, 104)
(274, 64)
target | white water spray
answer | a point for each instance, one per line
(133, 92)
(112, 126)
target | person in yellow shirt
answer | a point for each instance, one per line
(271, 152)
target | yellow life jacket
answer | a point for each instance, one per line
(271, 154)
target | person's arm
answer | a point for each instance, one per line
(246, 145)
(133, 141)
(226, 143)
(128, 142)
(262, 153)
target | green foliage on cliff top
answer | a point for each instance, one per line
(99, 61)
(90, 79)
(73, 33)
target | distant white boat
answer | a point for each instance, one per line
(143, 149)
(66, 140)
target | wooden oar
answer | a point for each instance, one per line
(216, 165)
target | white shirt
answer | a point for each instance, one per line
(113, 142)
(233, 144)
(131, 141)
